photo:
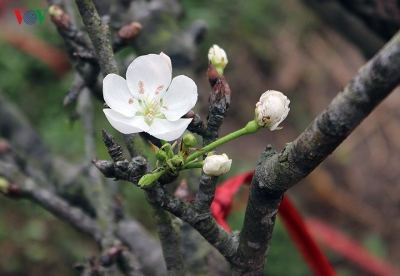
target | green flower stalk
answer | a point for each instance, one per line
(251, 127)
(270, 111)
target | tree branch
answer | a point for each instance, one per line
(95, 189)
(276, 173)
(349, 25)
(99, 34)
(169, 234)
(28, 188)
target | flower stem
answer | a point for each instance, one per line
(195, 165)
(251, 127)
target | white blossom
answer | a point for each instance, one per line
(217, 164)
(148, 100)
(217, 56)
(272, 109)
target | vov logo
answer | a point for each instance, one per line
(30, 17)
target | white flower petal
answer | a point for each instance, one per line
(180, 97)
(125, 125)
(148, 75)
(167, 130)
(117, 95)
(167, 59)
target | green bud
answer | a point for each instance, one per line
(161, 155)
(188, 141)
(168, 149)
(148, 180)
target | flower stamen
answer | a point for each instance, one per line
(141, 87)
(159, 88)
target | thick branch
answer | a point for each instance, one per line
(278, 172)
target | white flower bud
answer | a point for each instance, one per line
(218, 58)
(272, 109)
(217, 164)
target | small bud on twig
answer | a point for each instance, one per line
(217, 56)
(126, 35)
(129, 32)
(60, 18)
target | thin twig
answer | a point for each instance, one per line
(28, 188)
(99, 34)
(95, 188)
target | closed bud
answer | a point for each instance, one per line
(188, 141)
(161, 155)
(217, 56)
(129, 32)
(148, 180)
(216, 165)
(272, 109)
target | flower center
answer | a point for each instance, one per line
(150, 109)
